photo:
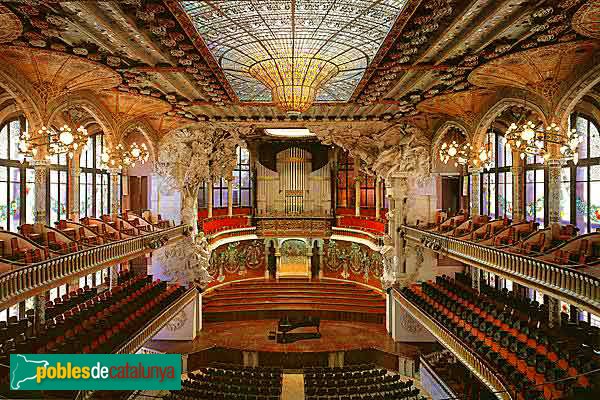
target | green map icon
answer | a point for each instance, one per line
(24, 370)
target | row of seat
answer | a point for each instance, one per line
(230, 383)
(528, 360)
(349, 383)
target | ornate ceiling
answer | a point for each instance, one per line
(243, 33)
(392, 54)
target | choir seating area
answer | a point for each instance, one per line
(513, 334)
(230, 383)
(357, 382)
(270, 299)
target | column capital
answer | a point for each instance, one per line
(114, 171)
(40, 163)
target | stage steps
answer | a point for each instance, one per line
(295, 298)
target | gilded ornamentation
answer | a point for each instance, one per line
(586, 20)
(11, 25)
(236, 257)
(353, 257)
(294, 227)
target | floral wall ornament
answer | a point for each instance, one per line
(187, 261)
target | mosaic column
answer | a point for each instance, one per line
(518, 176)
(553, 311)
(377, 196)
(73, 195)
(114, 189)
(475, 196)
(230, 196)
(41, 175)
(554, 170)
(357, 186)
(209, 198)
(476, 278)
(39, 309)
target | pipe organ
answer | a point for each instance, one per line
(294, 189)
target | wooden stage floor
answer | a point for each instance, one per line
(253, 336)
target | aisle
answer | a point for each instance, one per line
(292, 387)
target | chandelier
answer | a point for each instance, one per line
(120, 157)
(63, 141)
(461, 154)
(484, 157)
(533, 139)
(294, 79)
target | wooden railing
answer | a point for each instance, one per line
(23, 282)
(477, 365)
(154, 326)
(570, 285)
(149, 331)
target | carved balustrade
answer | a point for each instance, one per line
(570, 285)
(476, 364)
(24, 282)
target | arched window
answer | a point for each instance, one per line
(242, 183)
(345, 181)
(535, 189)
(496, 182)
(94, 182)
(57, 200)
(580, 184)
(17, 187)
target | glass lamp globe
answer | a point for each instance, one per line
(66, 137)
(452, 151)
(527, 134)
(483, 155)
(135, 152)
(105, 158)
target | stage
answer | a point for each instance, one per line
(228, 341)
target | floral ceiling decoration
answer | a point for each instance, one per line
(586, 20)
(335, 39)
(11, 25)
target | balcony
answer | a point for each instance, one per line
(28, 280)
(480, 367)
(570, 285)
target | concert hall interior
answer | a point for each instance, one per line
(303, 199)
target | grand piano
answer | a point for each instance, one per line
(286, 325)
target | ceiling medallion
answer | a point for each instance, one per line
(120, 157)
(63, 141)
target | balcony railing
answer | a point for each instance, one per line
(154, 326)
(575, 287)
(26, 281)
(478, 366)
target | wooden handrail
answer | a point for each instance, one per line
(157, 323)
(475, 363)
(567, 284)
(16, 284)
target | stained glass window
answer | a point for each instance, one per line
(345, 182)
(242, 184)
(220, 193)
(582, 198)
(534, 195)
(17, 196)
(497, 182)
(58, 181)
(94, 182)
(203, 196)
(346, 33)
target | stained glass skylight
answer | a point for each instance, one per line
(242, 33)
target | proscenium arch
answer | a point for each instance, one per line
(497, 109)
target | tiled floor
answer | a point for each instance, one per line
(252, 336)
(292, 387)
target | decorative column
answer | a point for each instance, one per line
(554, 170)
(518, 176)
(377, 196)
(209, 199)
(113, 276)
(357, 186)
(73, 195)
(41, 174)
(476, 278)
(475, 185)
(230, 196)
(114, 189)
(39, 308)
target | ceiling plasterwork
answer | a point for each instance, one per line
(11, 25)
(466, 105)
(544, 70)
(586, 20)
